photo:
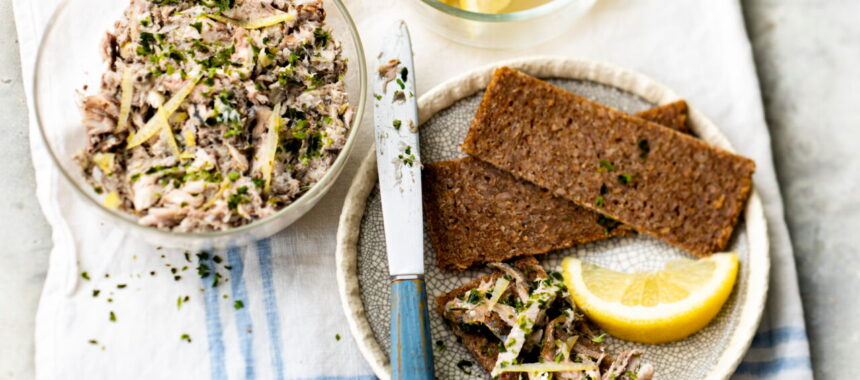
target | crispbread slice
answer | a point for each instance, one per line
(479, 214)
(658, 181)
(484, 346)
(672, 115)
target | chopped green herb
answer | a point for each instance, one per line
(401, 84)
(238, 304)
(233, 176)
(321, 37)
(96, 292)
(474, 297)
(407, 158)
(121, 286)
(199, 26)
(222, 5)
(145, 44)
(258, 182)
(185, 337)
(607, 223)
(378, 97)
(112, 317)
(337, 337)
(85, 275)
(626, 179)
(645, 147)
(606, 166)
(93, 341)
(600, 202)
(464, 366)
(234, 200)
(219, 59)
(599, 339)
(180, 300)
(203, 270)
(397, 124)
(293, 59)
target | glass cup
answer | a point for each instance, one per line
(503, 31)
(70, 58)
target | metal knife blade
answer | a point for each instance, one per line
(398, 154)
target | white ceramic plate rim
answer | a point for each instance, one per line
(446, 94)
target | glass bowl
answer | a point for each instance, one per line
(502, 31)
(70, 59)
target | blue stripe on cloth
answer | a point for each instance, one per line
(774, 366)
(214, 331)
(777, 336)
(264, 253)
(243, 316)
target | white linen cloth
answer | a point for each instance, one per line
(291, 315)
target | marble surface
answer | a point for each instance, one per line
(25, 235)
(809, 67)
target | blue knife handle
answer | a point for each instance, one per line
(411, 348)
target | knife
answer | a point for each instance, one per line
(398, 161)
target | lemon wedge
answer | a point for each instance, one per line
(653, 307)
(485, 6)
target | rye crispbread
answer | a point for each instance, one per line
(672, 115)
(656, 180)
(477, 213)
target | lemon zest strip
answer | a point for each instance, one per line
(158, 121)
(257, 23)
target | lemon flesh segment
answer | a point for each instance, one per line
(485, 6)
(653, 307)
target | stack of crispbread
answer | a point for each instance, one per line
(549, 169)
(656, 180)
(478, 213)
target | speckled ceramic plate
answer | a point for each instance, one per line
(445, 114)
